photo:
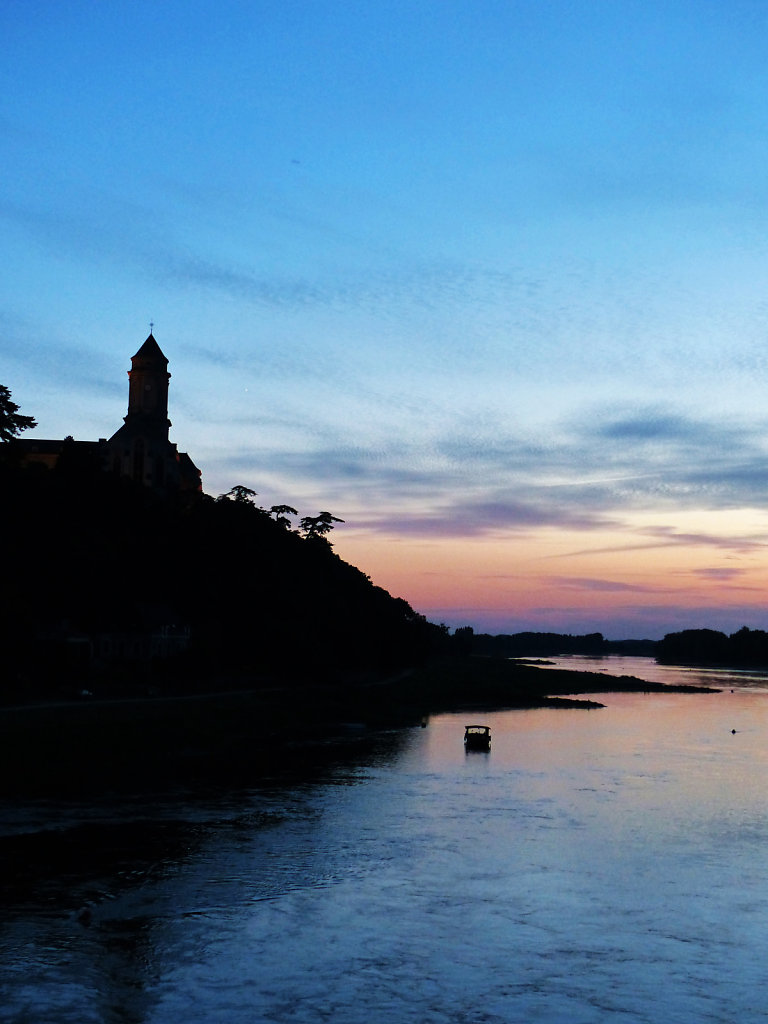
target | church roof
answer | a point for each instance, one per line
(47, 446)
(150, 351)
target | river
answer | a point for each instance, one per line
(594, 866)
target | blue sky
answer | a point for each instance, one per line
(487, 280)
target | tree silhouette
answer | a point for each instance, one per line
(281, 513)
(239, 493)
(11, 420)
(316, 527)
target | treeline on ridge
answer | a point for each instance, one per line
(90, 555)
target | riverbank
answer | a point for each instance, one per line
(134, 745)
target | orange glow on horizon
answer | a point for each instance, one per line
(709, 560)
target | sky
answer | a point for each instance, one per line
(486, 279)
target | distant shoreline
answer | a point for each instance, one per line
(136, 744)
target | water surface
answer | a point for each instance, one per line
(594, 866)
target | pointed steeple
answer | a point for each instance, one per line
(150, 352)
(148, 390)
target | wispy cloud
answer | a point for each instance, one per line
(53, 359)
(94, 226)
(475, 519)
(452, 487)
(600, 585)
(669, 537)
(718, 575)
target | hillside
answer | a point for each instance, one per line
(103, 577)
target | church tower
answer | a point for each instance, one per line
(140, 449)
(148, 390)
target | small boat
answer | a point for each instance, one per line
(477, 737)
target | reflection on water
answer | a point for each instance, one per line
(595, 865)
(672, 675)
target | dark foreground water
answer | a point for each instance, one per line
(607, 865)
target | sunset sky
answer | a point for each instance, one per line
(487, 279)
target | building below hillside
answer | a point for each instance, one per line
(140, 449)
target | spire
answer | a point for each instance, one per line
(150, 352)
(148, 390)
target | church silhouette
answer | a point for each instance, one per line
(140, 449)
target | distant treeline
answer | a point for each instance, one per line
(544, 645)
(745, 647)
